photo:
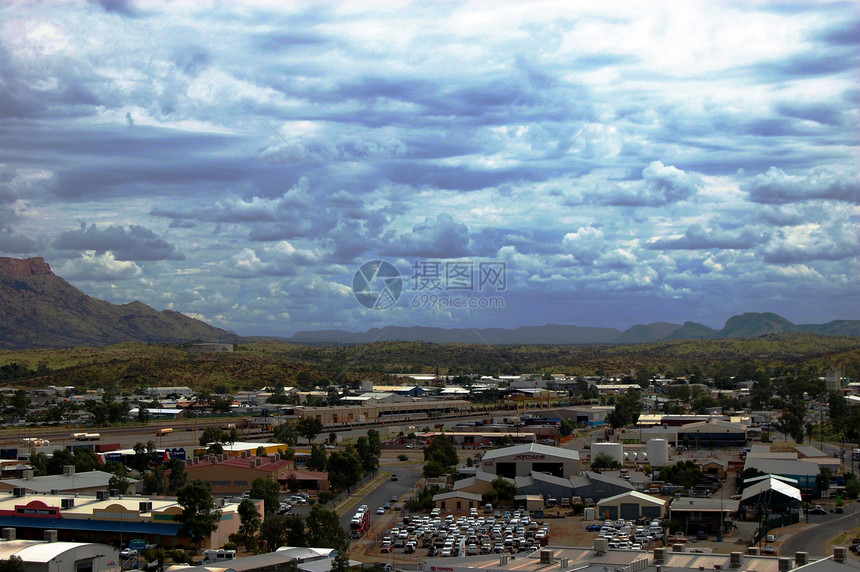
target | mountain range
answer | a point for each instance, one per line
(38, 309)
(748, 325)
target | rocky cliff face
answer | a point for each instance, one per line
(25, 267)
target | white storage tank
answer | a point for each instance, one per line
(658, 452)
(614, 450)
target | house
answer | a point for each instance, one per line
(457, 502)
(702, 514)
(714, 468)
(631, 505)
(479, 483)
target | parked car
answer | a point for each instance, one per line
(839, 510)
(769, 549)
(592, 527)
(393, 477)
(380, 510)
(817, 510)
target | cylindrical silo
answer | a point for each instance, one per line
(614, 450)
(658, 452)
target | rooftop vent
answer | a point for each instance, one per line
(145, 506)
(69, 470)
(736, 559)
(50, 535)
(784, 564)
(801, 558)
(19, 491)
(659, 555)
(8, 534)
(839, 553)
(28, 474)
(102, 495)
(546, 556)
(752, 550)
(677, 548)
(67, 503)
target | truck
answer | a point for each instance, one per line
(86, 436)
(163, 431)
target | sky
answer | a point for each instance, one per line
(274, 167)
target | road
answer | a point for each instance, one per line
(814, 537)
(406, 478)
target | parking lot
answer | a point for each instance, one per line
(440, 534)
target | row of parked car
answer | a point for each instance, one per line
(627, 534)
(511, 531)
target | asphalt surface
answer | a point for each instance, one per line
(815, 536)
(406, 478)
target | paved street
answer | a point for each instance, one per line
(813, 537)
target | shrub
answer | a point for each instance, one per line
(402, 457)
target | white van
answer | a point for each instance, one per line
(211, 556)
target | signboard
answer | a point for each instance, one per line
(137, 544)
(529, 457)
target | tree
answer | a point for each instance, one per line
(852, 486)
(318, 458)
(822, 480)
(505, 490)
(434, 469)
(369, 461)
(628, 407)
(686, 474)
(119, 481)
(199, 517)
(441, 449)
(332, 438)
(309, 428)
(154, 482)
(603, 461)
(344, 468)
(144, 456)
(20, 403)
(278, 530)
(249, 526)
(176, 476)
(14, 564)
(143, 415)
(749, 473)
(269, 491)
(324, 530)
(211, 435)
(374, 441)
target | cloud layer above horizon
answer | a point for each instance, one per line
(628, 163)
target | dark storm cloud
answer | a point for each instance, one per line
(14, 244)
(441, 237)
(268, 42)
(843, 33)
(121, 7)
(776, 186)
(697, 237)
(819, 112)
(138, 243)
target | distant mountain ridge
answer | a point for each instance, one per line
(747, 325)
(38, 309)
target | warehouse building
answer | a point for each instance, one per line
(631, 505)
(45, 556)
(598, 486)
(522, 460)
